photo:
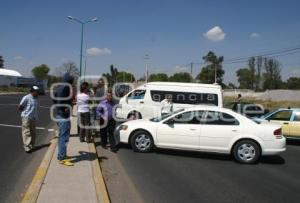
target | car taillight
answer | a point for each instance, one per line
(278, 133)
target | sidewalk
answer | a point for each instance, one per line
(82, 182)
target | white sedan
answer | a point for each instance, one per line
(204, 128)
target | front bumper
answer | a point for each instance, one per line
(120, 136)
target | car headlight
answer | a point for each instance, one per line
(122, 127)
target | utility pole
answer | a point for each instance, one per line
(192, 71)
(146, 61)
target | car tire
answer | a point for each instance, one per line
(246, 152)
(141, 141)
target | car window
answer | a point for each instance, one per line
(281, 115)
(137, 94)
(297, 116)
(190, 117)
(219, 118)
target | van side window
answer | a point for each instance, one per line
(137, 94)
(185, 97)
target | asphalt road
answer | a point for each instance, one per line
(17, 168)
(178, 176)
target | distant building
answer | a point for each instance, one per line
(9, 77)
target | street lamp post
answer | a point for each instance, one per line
(81, 43)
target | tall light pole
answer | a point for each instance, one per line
(81, 43)
(146, 60)
(216, 66)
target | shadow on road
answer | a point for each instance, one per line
(201, 155)
(40, 147)
(276, 160)
(293, 142)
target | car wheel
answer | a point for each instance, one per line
(246, 151)
(134, 116)
(142, 141)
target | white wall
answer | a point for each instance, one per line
(7, 80)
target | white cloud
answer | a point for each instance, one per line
(98, 51)
(215, 34)
(254, 35)
(18, 57)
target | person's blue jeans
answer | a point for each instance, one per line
(64, 126)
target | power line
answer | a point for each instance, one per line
(271, 54)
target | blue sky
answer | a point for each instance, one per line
(172, 32)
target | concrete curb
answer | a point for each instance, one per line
(101, 191)
(33, 191)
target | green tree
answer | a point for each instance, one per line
(112, 76)
(1, 62)
(160, 77)
(293, 83)
(53, 79)
(181, 77)
(231, 86)
(272, 74)
(258, 79)
(40, 72)
(252, 72)
(124, 76)
(207, 74)
(69, 67)
(251, 78)
(244, 76)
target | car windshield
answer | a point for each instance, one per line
(267, 115)
(160, 118)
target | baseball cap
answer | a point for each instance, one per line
(34, 88)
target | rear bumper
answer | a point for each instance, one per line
(274, 147)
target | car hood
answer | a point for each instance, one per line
(137, 122)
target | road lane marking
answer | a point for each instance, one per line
(19, 126)
(46, 107)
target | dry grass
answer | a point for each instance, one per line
(13, 89)
(267, 104)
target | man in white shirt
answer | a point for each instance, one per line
(83, 109)
(166, 105)
(28, 108)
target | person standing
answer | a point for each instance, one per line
(97, 94)
(239, 98)
(28, 108)
(105, 113)
(63, 101)
(166, 105)
(83, 100)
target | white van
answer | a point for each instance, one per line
(144, 101)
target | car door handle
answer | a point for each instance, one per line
(193, 129)
(141, 102)
(285, 123)
(234, 130)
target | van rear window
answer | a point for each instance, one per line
(185, 97)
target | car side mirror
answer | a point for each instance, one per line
(169, 121)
